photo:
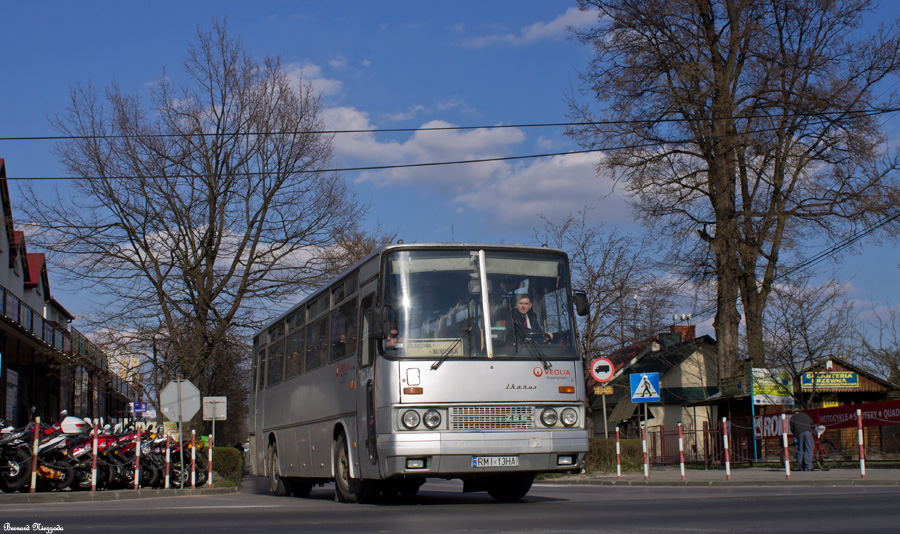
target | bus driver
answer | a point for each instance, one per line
(525, 318)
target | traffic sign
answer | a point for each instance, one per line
(215, 408)
(644, 387)
(602, 369)
(179, 394)
(137, 407)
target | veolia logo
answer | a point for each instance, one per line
(538, 371)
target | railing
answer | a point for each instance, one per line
(72, 344)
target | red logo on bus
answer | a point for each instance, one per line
(538, 371)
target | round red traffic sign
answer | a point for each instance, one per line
(602, 369)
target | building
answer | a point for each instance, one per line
(46, 365)
(687, 373)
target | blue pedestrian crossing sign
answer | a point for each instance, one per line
(644, 387)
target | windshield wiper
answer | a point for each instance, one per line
(450, 349)
(530, 345)
(458, 340)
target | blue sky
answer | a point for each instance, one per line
(398, 64)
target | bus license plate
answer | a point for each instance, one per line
(495, 461)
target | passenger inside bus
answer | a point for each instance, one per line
(393, 341)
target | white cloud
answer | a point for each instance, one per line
(502, 190)
(551, 187)
(557, 28)
(311, 73)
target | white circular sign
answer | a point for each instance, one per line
(602, 369)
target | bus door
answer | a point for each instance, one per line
(258, 441)
(365, 396)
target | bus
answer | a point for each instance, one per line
(417, 363)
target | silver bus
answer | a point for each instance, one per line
(419, 362)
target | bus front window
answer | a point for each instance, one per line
(436, 301)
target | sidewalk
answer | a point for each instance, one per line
(745, 476)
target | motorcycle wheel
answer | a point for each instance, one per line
(17, 472)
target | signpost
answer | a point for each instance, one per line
(644, 388)
(215, 409)
(602, 369)
(179, 402)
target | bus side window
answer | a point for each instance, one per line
(294, 363)
(317, 343)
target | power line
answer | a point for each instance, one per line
(430, 164)
(863, 112)
(816, 258)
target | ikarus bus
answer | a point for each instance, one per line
(453, 361)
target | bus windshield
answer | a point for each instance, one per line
(439, 303)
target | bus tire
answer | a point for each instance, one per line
(278, 485)
(347, 489)
(510, 488)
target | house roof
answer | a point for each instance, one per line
(36, 271)
(659, 354)
(52, 301)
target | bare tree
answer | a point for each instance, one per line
(805, 323)
(629, 300)
(880, 344)
(750, 124)
(194, 216)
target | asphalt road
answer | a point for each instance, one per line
(441, 506)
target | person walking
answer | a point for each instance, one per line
(802, 427)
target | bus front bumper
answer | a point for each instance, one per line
(476, 453)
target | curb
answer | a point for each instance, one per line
(724, 483)
(107, 495)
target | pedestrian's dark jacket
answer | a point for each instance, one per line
(801, 422)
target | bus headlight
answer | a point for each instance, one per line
(432, 419)
(549, 417)
(410, 419)
(569, 417)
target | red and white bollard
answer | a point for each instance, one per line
(681, 450)
(618, 457)
(644, 448)
(34, 456)
(94, 459)
(784, 442)
(725, 441)
(209, 464)
(862, 449)
(137, 459)
(168, 458)
(193, 459)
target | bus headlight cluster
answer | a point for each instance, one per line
(412, 418)
(568, 417)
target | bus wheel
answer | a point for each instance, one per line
(353, 490)
(277, 484)
(509, 488)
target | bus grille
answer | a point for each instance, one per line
(491, 417)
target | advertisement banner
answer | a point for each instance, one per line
(829, 380)
(772, 388)
(873, 414)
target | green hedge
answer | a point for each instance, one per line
(228, 465)
(602, 455)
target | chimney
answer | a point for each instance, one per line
(687, 332)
